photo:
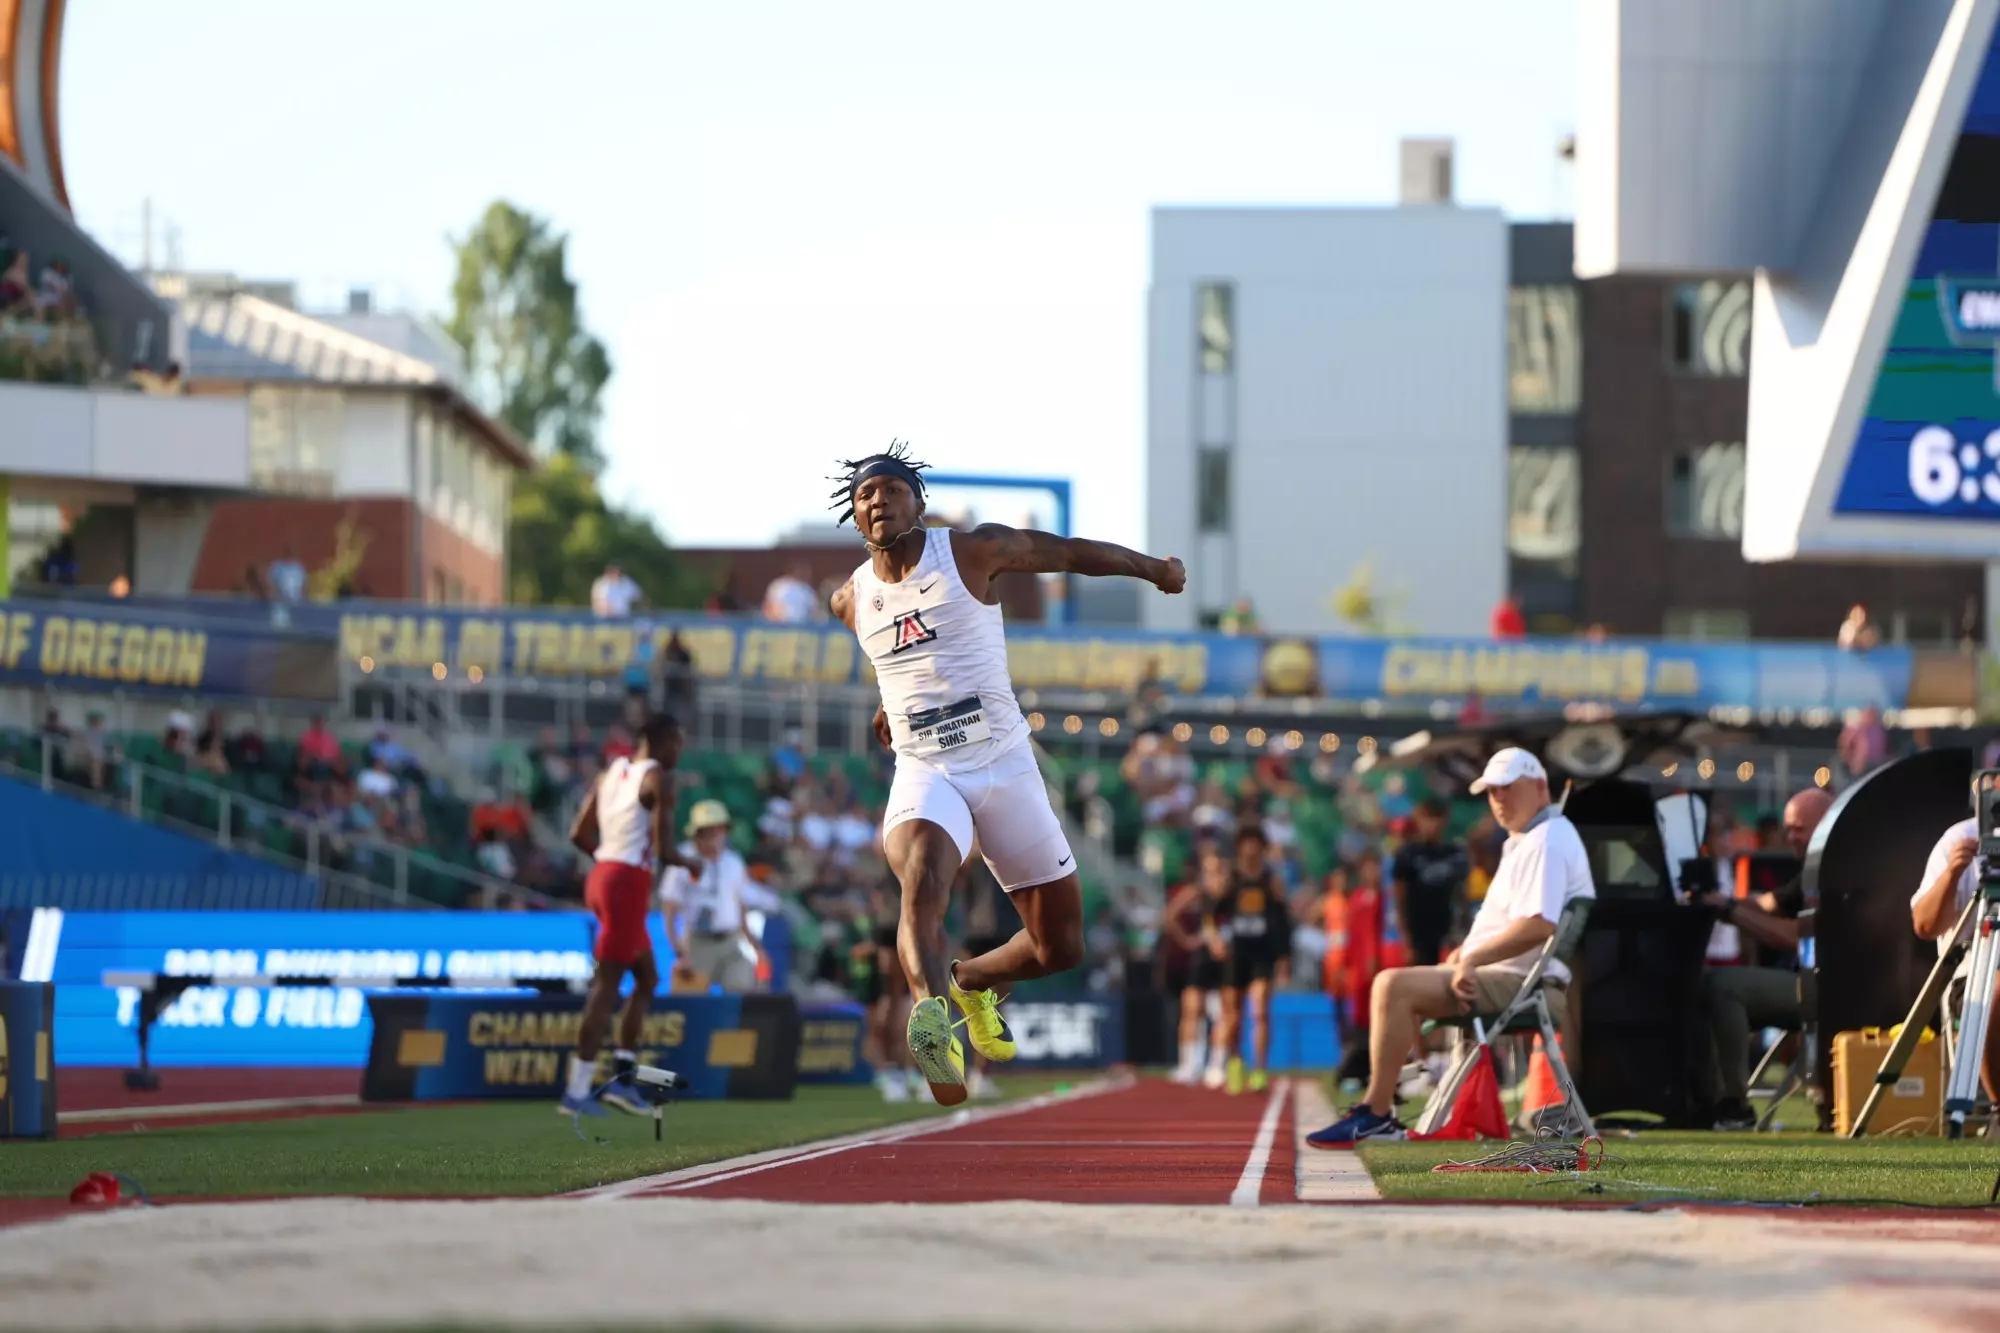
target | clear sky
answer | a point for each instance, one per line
(802, 228)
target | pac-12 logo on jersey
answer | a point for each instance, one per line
(911, 631)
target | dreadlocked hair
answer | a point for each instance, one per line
(898, 452)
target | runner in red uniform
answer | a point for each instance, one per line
(626, 823)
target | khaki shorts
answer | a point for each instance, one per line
(1497, 987)
(720, 959)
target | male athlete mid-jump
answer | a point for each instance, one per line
(927, 613)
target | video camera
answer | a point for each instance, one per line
(1986, 811)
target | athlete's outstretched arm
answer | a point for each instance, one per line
(1005, 550)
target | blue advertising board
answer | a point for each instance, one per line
(298, 1026)
(1067, 1032)
(1630, 674)
(446, 1046)
(570, 643)
(831, 1038)
(148, 646)
(27, 1064)
(110, 645)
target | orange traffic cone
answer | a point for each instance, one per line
(1541, 1090)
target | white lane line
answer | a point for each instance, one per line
(1250, 1187)
(1326, 1175)
(142, 1112)
(1109, 1145)
(751, 1163)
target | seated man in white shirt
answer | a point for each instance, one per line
(1951, 878)
(613, 594)
(707, 917)
(1542, 869)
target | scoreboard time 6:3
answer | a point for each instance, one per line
(1947, 471)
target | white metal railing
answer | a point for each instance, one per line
(323, 848)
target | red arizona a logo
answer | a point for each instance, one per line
(911, 631)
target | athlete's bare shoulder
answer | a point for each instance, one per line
(842, 603)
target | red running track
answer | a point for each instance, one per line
(1149, 1142)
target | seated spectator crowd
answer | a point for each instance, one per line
(44, 335)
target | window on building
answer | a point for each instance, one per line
(295, 439)
(1705, 491)
(1711, 626)
(1216, 323)
(426, 478)
(1544, 350)
(1544, 502)
(1924, 629)
(1708, 327)
(1211, 490)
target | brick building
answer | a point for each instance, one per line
(361, 440)
(1628, 407)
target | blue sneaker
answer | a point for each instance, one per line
(588, 1104)
(1358, 1125)
(620, 1093)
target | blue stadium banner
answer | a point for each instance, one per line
(151, 646)
(107, 645)
(441, 1046)
(1067, 1032)
(1631, 674)
(284, 1026)
(27, 1060)
(567, 643)
(830, 1044)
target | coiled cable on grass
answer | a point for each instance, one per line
(1541, 1157)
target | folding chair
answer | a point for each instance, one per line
(1527, 1012)
(1794, 1076)
(1799, 1073)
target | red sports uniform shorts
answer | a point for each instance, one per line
(619, 895)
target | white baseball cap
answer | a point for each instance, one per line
(1509, 766)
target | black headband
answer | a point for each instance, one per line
(887, 467)
(892, 462)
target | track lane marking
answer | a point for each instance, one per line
(1250, 1186)
(1325, 1175)
(709, 1173)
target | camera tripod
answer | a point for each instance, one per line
(1962, 1086)
(1976, 1014)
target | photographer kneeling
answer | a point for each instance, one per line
(1736, 1001)
(1542, 868)
(1951, 880)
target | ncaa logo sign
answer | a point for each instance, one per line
(1055, 1031)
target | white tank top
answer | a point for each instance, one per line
(624, 826)
(940, 656)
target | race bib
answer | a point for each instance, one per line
(936, 730)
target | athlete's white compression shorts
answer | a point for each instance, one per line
(1006, 803)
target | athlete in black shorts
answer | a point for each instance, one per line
(1255, 931)
(1188, 971)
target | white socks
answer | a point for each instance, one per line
(1190, 1056)
(581, 1072)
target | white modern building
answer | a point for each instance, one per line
(1327, 404)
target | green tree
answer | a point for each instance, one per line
(514, 312)
(562, 535)
(535, 367)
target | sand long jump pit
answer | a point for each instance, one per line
(672, 1262)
